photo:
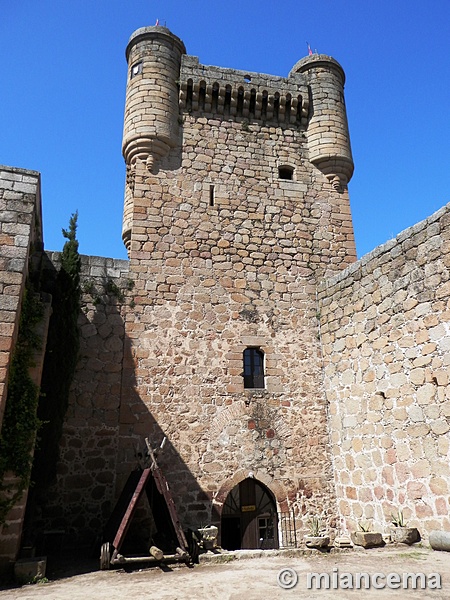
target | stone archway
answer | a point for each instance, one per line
(249, 517)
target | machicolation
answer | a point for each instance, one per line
(289, 379)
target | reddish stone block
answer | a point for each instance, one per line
(351, 493)
(442, 506)
(416, 490)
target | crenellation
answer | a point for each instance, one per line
(242, 328)
(239, 93)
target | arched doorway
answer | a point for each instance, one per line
(249, 517)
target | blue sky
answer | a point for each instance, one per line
(63, 89)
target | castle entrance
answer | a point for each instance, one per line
(249, 517)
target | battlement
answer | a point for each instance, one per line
(235, 93)
(170, 94)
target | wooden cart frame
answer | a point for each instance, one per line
(149, 480)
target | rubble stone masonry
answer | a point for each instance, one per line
(225, 254)
(209, 282)
(82, 498)
(20, 244)
(20, 225)
(239, 234)
(385, 325)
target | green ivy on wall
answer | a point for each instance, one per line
(60, 358)
(20, 421)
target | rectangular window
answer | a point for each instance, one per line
(136, 69)
(253, 368)
(286, 172)
(265, 528)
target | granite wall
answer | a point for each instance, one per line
(385, 332)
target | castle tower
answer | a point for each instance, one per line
(151, 108)
(236, 206)
(327, 132)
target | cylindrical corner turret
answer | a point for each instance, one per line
(151, 125)
(327, 132)
(151, 106)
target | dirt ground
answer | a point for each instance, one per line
(239, 577)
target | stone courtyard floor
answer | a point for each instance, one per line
(250, 575)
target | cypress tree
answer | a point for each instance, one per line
(60, 358)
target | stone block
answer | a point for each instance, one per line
(405, 535)
(30, 570)
(367, 539)
(421, 469)
(440, 426)
(415, 413)
(426, 393)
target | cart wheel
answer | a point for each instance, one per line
(105, 556)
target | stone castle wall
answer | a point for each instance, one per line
(229, 224)
(224, 256)
(385, 325)
(20, 206)
(239, 232)
(83, 496)
(20, 236)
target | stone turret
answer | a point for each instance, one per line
(151, 125)
(327, 132)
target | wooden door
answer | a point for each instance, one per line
(249, 517)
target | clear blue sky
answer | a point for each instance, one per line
(63, 89)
